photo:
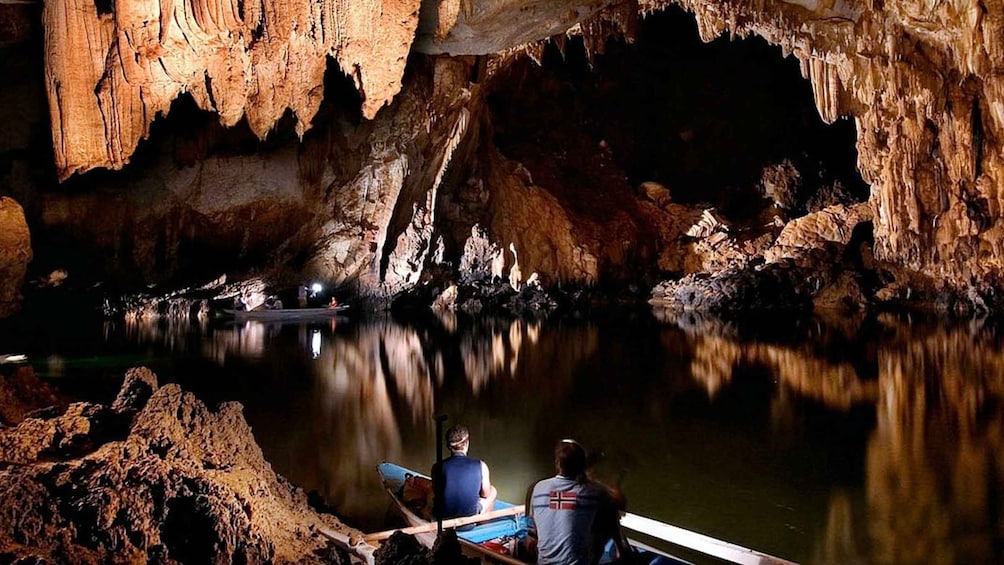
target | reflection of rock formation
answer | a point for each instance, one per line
(842, 542)
(935, 483)
(372, 395)
(925, 510)
(802, 369)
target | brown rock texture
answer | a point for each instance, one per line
(113, 67)
(484, 27)
(21, 393)
(923, 83)
(15, 254)
(159, 477)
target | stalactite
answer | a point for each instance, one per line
(536, 52)
(140, 58)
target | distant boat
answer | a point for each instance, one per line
(492, 538)
(283, 314)
(12, 358)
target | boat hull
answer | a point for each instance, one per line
(286, 314)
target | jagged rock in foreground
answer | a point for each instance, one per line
(15, 254)
(155, 478)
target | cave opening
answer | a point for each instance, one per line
(702, 119)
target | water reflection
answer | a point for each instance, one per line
(844, 440)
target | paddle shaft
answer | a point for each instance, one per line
(452, 523)
(437, 477)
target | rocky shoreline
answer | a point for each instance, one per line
(157, 477)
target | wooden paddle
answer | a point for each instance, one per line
(699, 542)
(452, 523)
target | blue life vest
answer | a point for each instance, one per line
(461, 487)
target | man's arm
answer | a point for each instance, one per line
(488, 492)
(608, 521)
(486, 483)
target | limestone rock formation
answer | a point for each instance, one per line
(484, 27)
(15, 254)
(113, 67)
(921, 81)
(157, 477)
(923, 85)
(832, 225)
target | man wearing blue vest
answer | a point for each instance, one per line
(466, 487)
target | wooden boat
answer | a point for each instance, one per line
(286, 314)
(491, 535)
(509, 520)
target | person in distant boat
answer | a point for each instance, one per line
(573, 516)
(465, 483)
(301, 296)
(239, 304)
(333, 303)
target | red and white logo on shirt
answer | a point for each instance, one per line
(561, 500)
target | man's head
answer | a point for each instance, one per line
(570, 458)
(458, 439)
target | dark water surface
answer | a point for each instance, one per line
(876, 440)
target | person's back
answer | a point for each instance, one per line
(461, 486)
(465, 485)
(570, 512)
(564, 511)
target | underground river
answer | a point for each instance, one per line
(872, 439)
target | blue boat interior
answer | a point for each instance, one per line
(507, 526)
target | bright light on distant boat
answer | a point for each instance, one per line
(316, 287)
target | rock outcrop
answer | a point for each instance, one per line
(924, 86)
(156, 477)
(15, 254)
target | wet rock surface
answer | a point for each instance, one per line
(158, 478)
(22, 393)
(15, 254)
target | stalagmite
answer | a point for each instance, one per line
(515, 276)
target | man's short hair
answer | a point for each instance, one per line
(570, 458)
(457, 437)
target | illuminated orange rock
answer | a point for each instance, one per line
(15, 254)
(113, 67)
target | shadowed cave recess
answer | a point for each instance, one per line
(591, 168)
